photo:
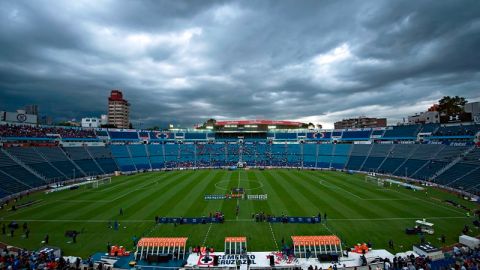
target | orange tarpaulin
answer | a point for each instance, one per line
(235, 239)
(162, 242)
(315, 240)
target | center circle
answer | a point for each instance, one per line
(223, 185)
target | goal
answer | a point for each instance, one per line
(100, 182)
(373, 179)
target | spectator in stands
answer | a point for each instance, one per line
(44, 132)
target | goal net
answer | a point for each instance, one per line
(373, 179)
(101, 182)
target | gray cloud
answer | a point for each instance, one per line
(183, 62)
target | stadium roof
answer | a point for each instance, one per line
(258, 122)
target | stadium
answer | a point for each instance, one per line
(239, 135)
(116, 187)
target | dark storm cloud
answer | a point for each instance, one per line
(183, 62)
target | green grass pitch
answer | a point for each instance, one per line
(358, 211)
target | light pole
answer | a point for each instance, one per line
(73, 173)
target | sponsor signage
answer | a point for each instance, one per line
(260, 197)
(311, 220)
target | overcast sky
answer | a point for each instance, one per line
(184, 62)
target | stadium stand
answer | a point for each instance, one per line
(402, 132)
(30, 157)
(59, 160)
(457, 130)
(83, 159)
(32, 164)
(376, 157)
(124, 135)
(138, 153)
(103, 156)
(358, 155)
(123, 158)
(351, 135)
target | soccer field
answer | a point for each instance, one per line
(358, 211)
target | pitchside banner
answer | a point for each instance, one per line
(254, 259)
(200, 220)
(311, 220)
(260, 197)
(222, 196)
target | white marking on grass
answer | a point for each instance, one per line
(144, 186)
(334, 186)
(328, 229)
(226, 181)
(206, 235)
(337, 187)
(432, 203)
(273, 235)
(238, 199)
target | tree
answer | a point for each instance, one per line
(451, 106)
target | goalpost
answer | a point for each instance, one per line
(374, 179)
(103, 181)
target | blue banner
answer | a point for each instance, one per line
(197, 220)
(311, 220)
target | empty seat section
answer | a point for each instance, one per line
(309, 155)
(120, 152)
(285, 136)
(455, 172)
(405, 132)
(83, 159)
(469, 182)
(363, 134)
(340, 155)
(397, 156)
(429, 170)
(139, 156)
(123, 135)
(357, 156)
(324, 158)
(195, 136)
(156, 156)
(376, 156)
(8, 185)
(20, 173)
(103, 156)
(58, 159)
(31, 158)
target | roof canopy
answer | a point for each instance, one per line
(163, 242)
(321, 240)
(235, 239)
(258, 122)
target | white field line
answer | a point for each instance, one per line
(238, 199)
(334, 186)
(273, 235)
(206, 235)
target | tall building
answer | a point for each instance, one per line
(118, 110)
(361, 122)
